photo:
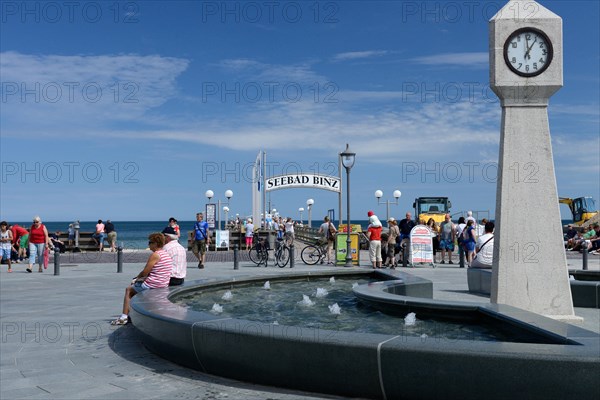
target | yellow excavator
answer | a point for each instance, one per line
(583, 209)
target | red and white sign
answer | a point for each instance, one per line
(421, 245)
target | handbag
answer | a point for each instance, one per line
(331, 230)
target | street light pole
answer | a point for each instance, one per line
(379, 195)
(301, 209)
(309, 204)
(226, 209)
(209, 194)
(348, 158)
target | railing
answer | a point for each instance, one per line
(306, 234)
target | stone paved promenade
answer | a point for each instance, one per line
(57, 342)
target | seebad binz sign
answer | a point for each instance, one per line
(325, 182)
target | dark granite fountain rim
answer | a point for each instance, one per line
(379, 293)
(585, 275)
(158, 302)
(367, 365)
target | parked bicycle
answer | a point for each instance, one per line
(259, 253)
(314, 253)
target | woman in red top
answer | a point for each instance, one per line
(38, 240)
(374, 235)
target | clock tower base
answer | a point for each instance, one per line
(530, 266)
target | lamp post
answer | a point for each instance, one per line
(309, 204)
(348, 158)
(301, 210)
(226, 210)
(379, 195)
(210, 194)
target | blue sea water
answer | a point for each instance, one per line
(134, 234)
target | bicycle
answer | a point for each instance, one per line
(281, 253)
(259, 253)
(314, 253)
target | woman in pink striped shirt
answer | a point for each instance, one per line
(156, 274)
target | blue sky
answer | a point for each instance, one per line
(132, 110)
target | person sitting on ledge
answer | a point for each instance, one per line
(156, 274)
(485, 248)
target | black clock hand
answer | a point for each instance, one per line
(527, 55)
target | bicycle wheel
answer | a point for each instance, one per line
(282, 256)
(310, 255)
(256, 254)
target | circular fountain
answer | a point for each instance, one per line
(397, 358)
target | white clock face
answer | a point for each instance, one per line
(528, 52)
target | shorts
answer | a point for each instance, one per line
(469, 246)
(24, 241)
(199, 247)
(112, 238)
(139, 287)
(446, 245)
(4, 253)
(175, 281)
(391, 249)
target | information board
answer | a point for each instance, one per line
(210, 215)
(222, 239)
(341, 247)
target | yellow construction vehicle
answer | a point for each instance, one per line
(582, 208)
(431, 207)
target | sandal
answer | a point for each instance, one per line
(28, 270)
(120, 321)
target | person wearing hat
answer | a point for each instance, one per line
(374, 235)
(177, 253)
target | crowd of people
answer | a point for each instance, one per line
(588, 238)
(475, 241)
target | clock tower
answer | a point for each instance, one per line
(526, 68)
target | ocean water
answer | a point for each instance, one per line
(134, 234)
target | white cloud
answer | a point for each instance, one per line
(49, 93)
(356, 55)
(477, 60)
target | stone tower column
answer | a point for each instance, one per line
(530, 268)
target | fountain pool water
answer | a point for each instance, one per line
(334, 309)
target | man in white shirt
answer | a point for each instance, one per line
(178, 254)
(485, 248)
